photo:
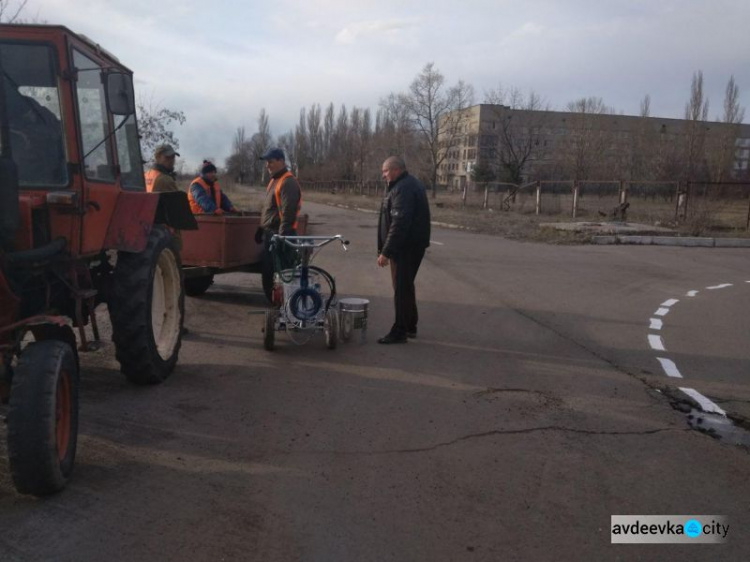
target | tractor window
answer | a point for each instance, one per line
(129, 155)
(32, 109)
(94, 120)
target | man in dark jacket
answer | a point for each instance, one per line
(403, 236)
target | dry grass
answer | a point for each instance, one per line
(712, 219)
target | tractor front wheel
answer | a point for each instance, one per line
(43, 418)
(148, 309)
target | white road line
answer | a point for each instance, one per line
(669, 303)
(722, 286)
(693, 293)
(661, 312)
(705, 404)
(436, 242)
(656, 324)
(669, 367)
(655, 342)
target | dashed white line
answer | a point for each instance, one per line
(656, 324)
(436, 242)
(722, 286)
(669, 303)
(705, 404)
(661, 312)
(693, 293)
(669, 367)
(656, 343)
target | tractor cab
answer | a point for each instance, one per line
(70, 145)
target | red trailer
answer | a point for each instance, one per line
(225, 244)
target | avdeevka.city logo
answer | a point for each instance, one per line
(682, 529)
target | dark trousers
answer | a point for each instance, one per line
(404, 270)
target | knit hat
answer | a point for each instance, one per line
(207, 167)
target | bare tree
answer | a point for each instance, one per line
(301, 142)
(240, 157)
(315, 135)
(646, 106)
(10, 12)
(328, 126)
(154, 125)
(288, 144)
(722, 144)
(585, 141)
(522, 126)
(435, 112)
(696, 114)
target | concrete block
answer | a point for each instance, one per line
(732, 242)
(605, 239)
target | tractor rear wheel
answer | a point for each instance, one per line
(43, 418)
(196, 286)
(148, 309)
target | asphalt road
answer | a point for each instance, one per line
(530, 409)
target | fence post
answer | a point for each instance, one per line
(682, 201)
(539, 197)
(486, 202)
(623, 193)
(575, 198)
(463, 194)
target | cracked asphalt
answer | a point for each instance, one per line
(529, 410)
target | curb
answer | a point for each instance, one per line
(687, 242)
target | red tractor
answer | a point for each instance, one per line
(77, 229)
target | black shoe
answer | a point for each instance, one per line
(390, 338)
(411, 335)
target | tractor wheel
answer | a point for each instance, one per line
(331, 329)
(148, 309)
(269, 329)
(43, 418)
(196, 286)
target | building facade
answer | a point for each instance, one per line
(496, 143)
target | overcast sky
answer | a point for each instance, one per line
(222, 61)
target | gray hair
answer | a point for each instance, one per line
(395, 162)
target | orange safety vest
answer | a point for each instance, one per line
(279, 182)
(194, 207)
(151, 176)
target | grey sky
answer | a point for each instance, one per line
(221, 62)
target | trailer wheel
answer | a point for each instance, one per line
(269, 330)
(196, 286)
(266, 272)
(43, 418)
(148, 309)
(331, 329)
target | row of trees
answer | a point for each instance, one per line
(351, 143)
(427, 126)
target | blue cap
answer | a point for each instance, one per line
(273, 154)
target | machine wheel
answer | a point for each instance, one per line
(269, 330)
(43, 418)
(196, 286)
(148, 309)
(331, 329)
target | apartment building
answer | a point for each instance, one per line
(495, 142)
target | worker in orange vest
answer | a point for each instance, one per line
(283, 202)
(205, 195)
(161, 176)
